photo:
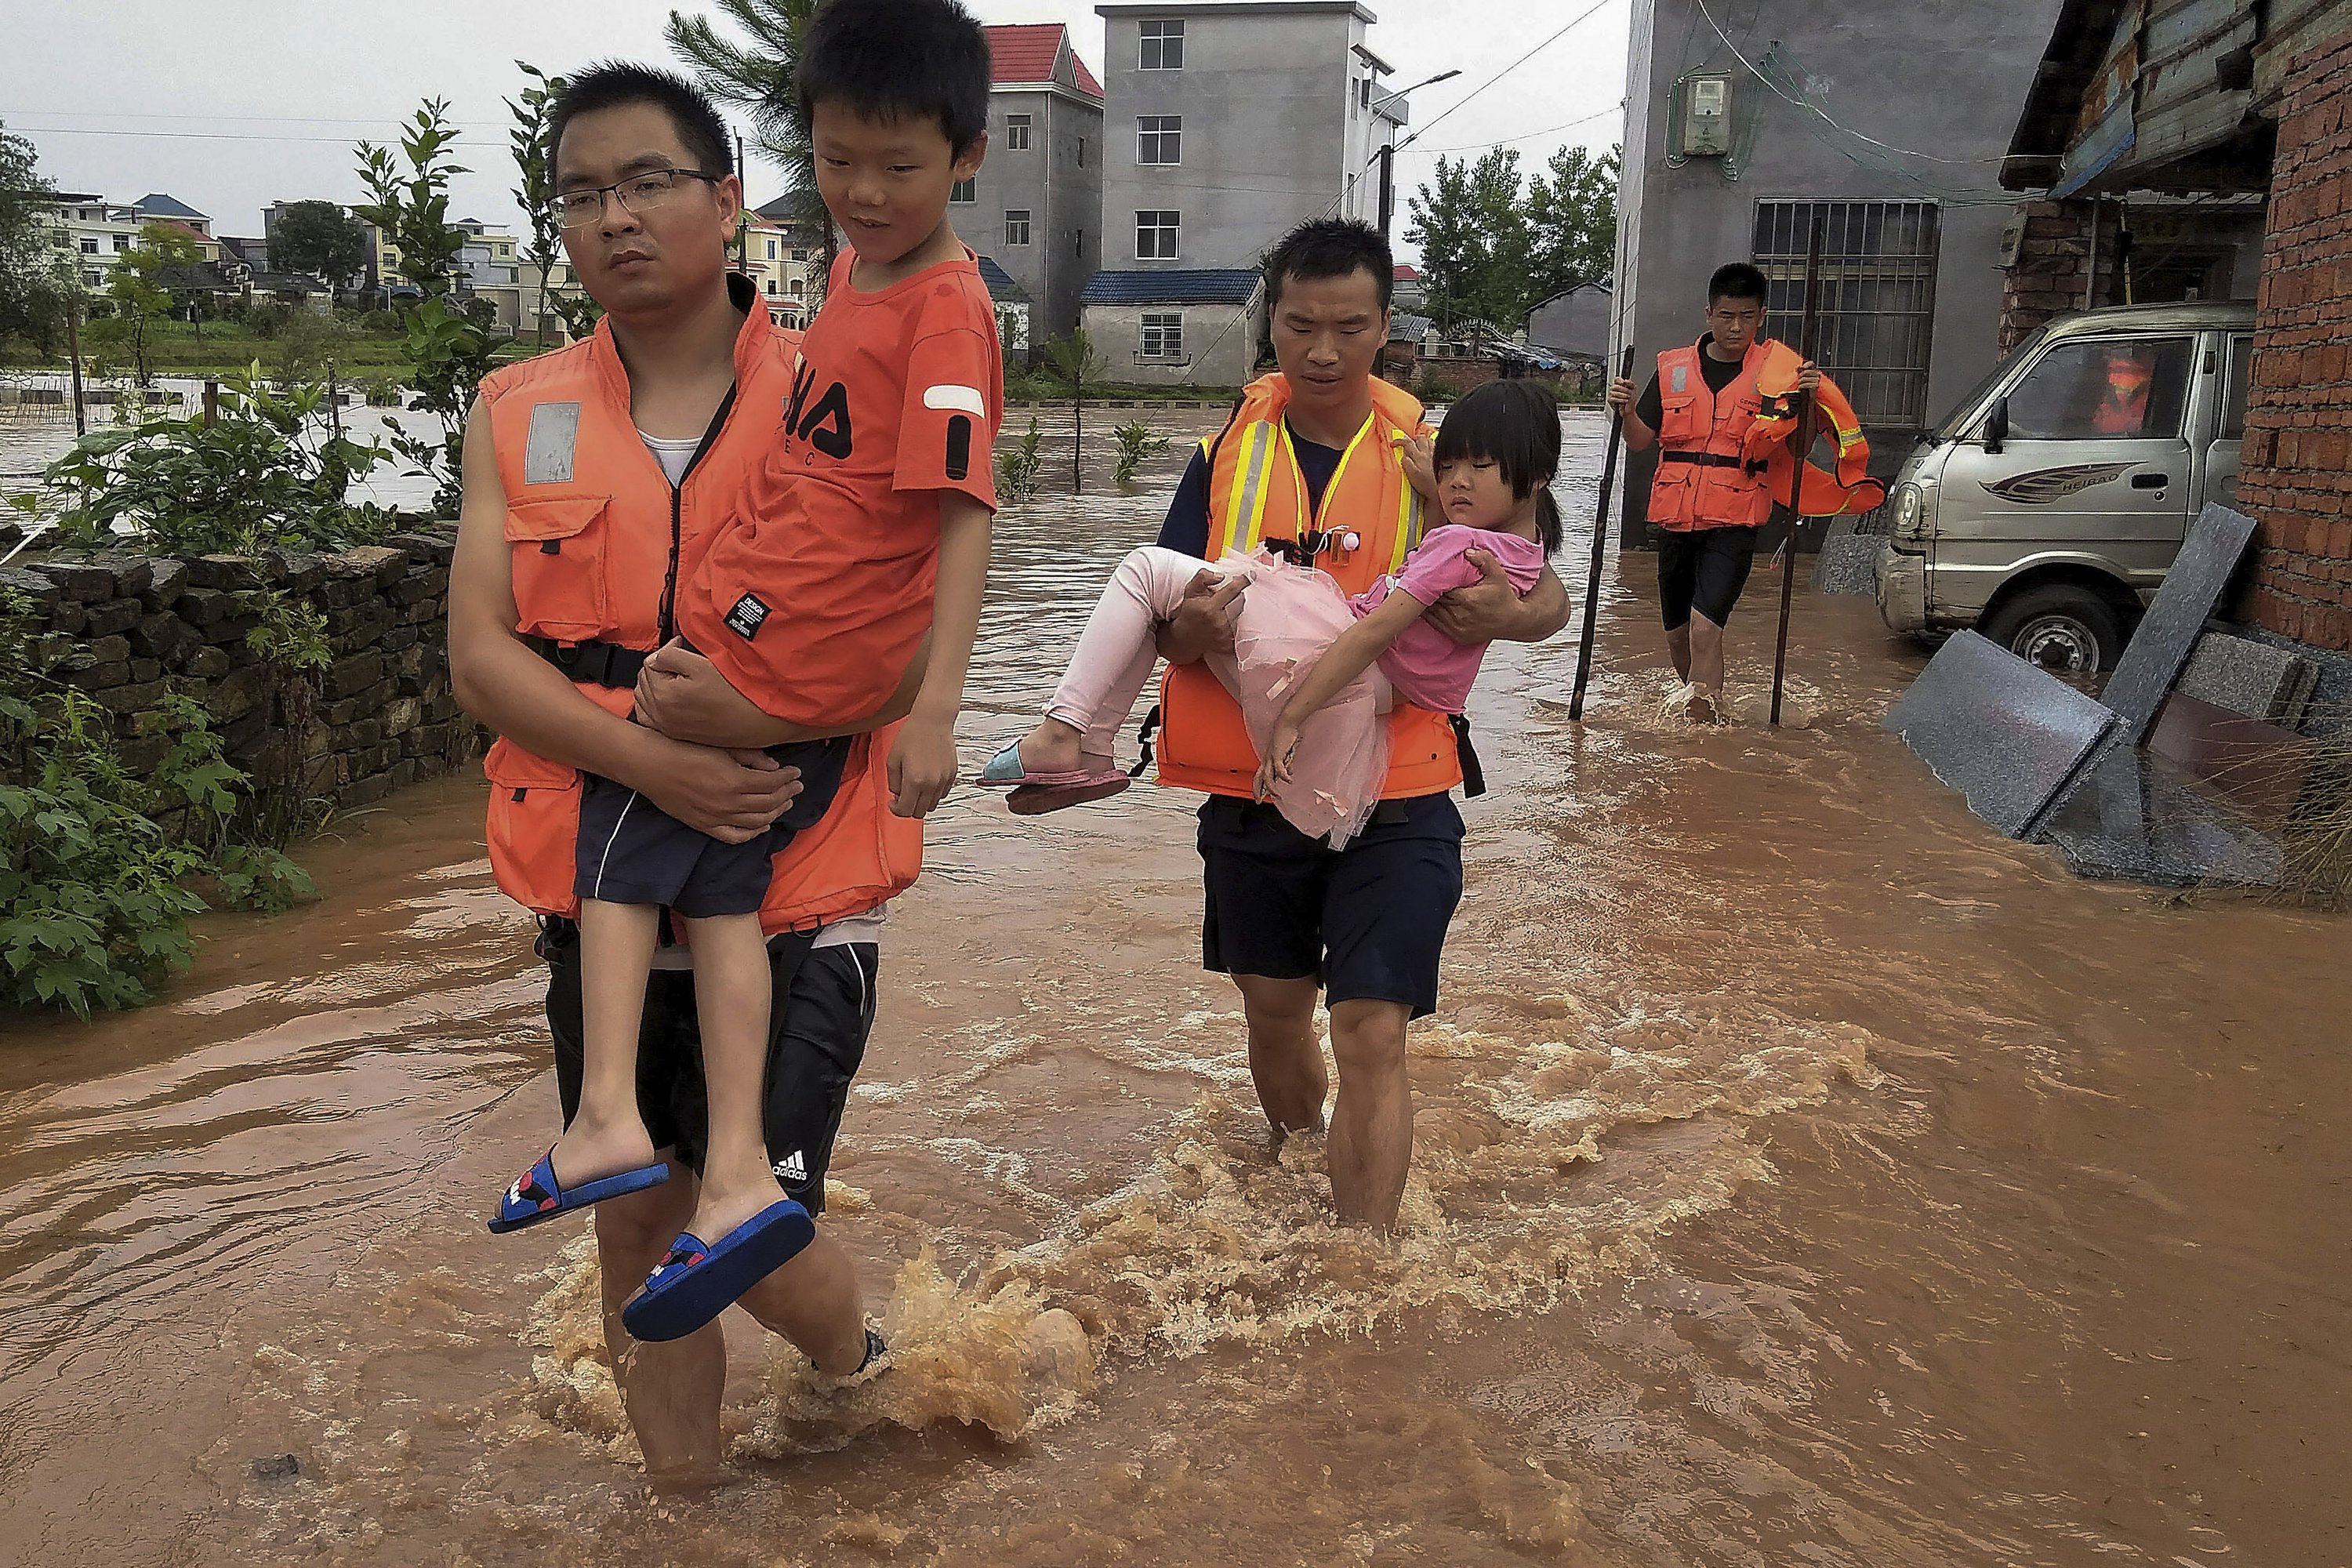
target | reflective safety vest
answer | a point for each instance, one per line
(1707, 477)
(1257, 494)
(599, 541)
(1850, 490)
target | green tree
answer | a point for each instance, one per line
(757, 78)
(1071, 360)
(38, 275)
(319, 238)
(1471, 228)
(535, 168)
(136, 287)
(1571, 221)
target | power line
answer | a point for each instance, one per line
(209, 135)
(392, 116)
(1528, 136)
(1579, 16)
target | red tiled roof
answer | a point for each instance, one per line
(1406, 272)
(1028, 53)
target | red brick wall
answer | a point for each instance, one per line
(2051, 276)
(2296, 480)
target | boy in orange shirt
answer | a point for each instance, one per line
(864, 537)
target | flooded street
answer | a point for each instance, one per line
(1804, 1174)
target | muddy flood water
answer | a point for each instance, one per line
(1803, 1175)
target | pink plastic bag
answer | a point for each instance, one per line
(1290, 617)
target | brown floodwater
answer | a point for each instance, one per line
(1804, 1175)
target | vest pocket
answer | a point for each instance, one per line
(533, 828)
(559, 566)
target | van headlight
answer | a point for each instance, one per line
(1912, 520)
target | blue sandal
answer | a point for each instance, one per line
(537, 1196)
(693, 1282)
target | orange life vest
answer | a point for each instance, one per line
(599, 540)
(2123, 408)
(1257, 493)
(1707, 477)
(1850, 490)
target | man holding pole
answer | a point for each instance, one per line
(1712, 491)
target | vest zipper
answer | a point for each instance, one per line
(678, 515)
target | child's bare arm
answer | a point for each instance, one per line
(1347, 659)
(923, 762)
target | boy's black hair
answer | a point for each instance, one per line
(1514, 425)
(894, 59)
(1330, 247)
(617, 84)
(1738, 280)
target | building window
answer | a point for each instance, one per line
(1016, 225)
(1163, 47)
(800, 289)
(1082, 152)
(1155, 236)
(1163, 335)
(1016, 133)
(965, 191)
(88, 245)
(772, 250)
(1364, 92)
(799, 253)
(92, 275)
(1159, 139)
(121, 243)
(1879, 297)
(2103, 389)
(1078, 244)
(771, 284)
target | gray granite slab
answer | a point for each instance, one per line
(2005, 732)
(2160, 646)
(2137, 818)
(2250, 678)
(1848, 564)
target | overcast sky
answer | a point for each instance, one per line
(232, 104)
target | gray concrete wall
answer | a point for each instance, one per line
(1576, 322)
(1265, 103)
(1062, 195)
(1942, 77)
(1220, 343)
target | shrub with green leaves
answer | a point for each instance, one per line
(265, 475)
(1137, 441)
(95, 893)
(1016, 470)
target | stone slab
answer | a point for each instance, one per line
(2255, 680)
(1848, 564)
(2008, 735)
(2161, 644)
(2260, 767)
(2137, 817)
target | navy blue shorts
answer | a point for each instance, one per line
(1368, 921)
(1702, 569)
(818, 1021)
(633, 852)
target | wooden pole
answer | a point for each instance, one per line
(211, 404)
(1801, 445)
(1600, 531)
(73, 352)
(334, 403)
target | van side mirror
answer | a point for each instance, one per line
(1996, 425)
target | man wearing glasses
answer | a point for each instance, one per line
(594, 478)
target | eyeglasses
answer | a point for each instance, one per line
(638, 195)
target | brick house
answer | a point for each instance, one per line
(2248, 112)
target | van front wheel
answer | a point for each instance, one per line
(2065, 629)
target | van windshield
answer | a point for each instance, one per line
(1950, 430)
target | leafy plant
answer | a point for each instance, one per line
(135, 288)
(535, 166)
(1016, 470)
(262, 476)
(1137, 441)
(1078, 369)
(384, 392)
(319, 238)
(757, 78)
(95, 893)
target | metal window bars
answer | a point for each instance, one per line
(1879, 297)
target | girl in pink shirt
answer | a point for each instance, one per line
(1495, 455)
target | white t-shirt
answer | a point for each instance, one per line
(672, 456)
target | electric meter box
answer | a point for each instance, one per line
(1706, 117)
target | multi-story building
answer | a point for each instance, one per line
(782, 255)
(1036, 207)
(95, 231)
(1230, 123)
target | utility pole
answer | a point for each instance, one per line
(743, 224)
(73, 352)
(1388, 211)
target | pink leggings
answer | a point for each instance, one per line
(1115, 653)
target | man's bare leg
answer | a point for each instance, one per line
(1371, 1127)
(815, 1302)
(1705, 666)
(670, 1391)
(1678, 648)
(606, 1135)
(1285, 1058)
(733, 987)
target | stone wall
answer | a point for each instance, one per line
(2052, 275)
(2297, 477)
(131, 629)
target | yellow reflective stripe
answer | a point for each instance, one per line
(1409, 524)
(1235, 522)
(1339, 472)
(1249, 516)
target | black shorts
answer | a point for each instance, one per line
(1705, 569)
(817, 1038)
(633, 852)
(1368, 921)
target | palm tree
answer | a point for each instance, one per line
(756, 77)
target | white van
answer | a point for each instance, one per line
(2046, 510)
